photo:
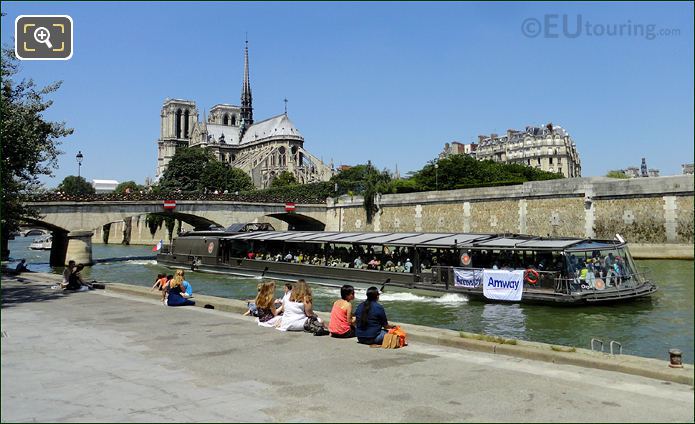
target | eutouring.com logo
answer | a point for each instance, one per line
(575, 26)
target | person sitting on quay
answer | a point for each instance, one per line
(251, 303)
(285, 298)
(165, 287)
(22, 266)
(75, 281)
(265, 304)
(176, 295)
(341, 325)
(371, 323)
(298, 309)
(66, 273)
(159, 282)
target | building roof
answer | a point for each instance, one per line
(277, 126)
(231, 134)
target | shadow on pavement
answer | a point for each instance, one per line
(15, 292)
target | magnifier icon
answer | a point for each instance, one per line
(43, 36)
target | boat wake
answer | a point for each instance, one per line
(361, 294)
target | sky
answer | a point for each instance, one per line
(386, 82)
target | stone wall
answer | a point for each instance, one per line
(643, 210)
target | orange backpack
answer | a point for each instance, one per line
(395, 338)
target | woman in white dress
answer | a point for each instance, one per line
(298, 308)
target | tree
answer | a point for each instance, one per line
(123, 187)
(29, 143)
(220, 176)
(185, 169)
(75, 186)
(463, 171)
(365, 180)
(284, 179)
(616, 174)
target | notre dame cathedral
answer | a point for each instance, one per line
(262, 149)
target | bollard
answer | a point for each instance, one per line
(676, 357)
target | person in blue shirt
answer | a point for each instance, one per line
(371, 323)
(187, 288)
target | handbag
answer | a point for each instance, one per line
(398, 337)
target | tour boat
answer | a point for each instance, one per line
(491, 267)
(42, 243)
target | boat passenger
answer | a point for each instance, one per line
(342, 321)
(371, 322)
(298, 309)
(358, 262)
(176, 291)
(408, 266)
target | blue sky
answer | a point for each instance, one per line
(390, 82)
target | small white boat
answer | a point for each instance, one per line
(42, 243)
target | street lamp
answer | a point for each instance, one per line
(436, 176)
(79, 158)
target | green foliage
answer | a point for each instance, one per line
(365, 180)
(360, 178)
(75, 186)
(300, 193)
(616, 174)
(193, 169)
(220, 176)
(463, 171)
(284, 179)
(185, 170)
(403, 186)
(154, 222)
(29, 142)
(124, 186)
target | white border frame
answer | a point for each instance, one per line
(72, 40)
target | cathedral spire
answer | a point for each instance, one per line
(246, 99)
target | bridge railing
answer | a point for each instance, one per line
(250, 197)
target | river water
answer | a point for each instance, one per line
(645, 328)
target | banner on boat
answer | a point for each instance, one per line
(469, 278)
(503, 285)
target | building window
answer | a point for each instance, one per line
(233, 120)
(550, 160)
(225, 120)
(178, 123)
(185, 124)
(539, 161)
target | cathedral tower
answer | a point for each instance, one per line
(246, 99)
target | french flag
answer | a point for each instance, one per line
(158, 247)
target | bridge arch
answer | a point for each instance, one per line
(198, 222)
(299, 222)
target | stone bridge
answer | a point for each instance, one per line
(73, 223)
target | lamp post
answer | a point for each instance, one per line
(436, 176)
(79, 158)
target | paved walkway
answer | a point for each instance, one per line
(104, 357)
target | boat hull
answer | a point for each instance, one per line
(337, 276)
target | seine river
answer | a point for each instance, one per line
(645, 328)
